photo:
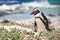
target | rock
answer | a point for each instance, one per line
(5, 21)
(1, 12)
(51, 15)
(49, 21)
(55, 25)
(58, 14)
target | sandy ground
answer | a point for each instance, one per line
(55, 24)
(26, 21)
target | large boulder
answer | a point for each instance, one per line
(51, 15)
(5, 21)
(58, 14)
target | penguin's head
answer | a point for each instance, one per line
(35, 11)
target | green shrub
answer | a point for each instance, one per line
(13, 35)
(54, 35)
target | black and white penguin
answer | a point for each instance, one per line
(41, 21)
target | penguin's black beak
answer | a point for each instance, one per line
(32, 13)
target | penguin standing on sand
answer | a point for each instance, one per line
(41, 21)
